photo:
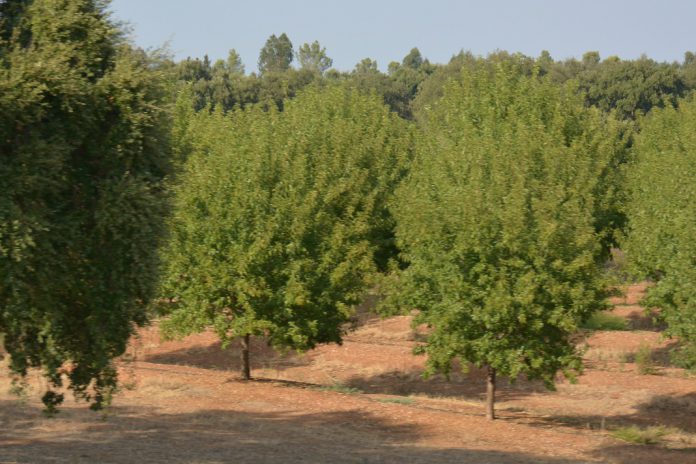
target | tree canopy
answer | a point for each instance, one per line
(83, 151)
(498, 224)
(276, 55)
(662, 218)
(281, 218)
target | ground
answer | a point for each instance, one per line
(363, 402)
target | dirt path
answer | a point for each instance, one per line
(363, 402)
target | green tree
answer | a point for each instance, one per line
(281, 218)
(662, 218)
(83, 151)
(234, 63)
(276, 55)
(414, 59)
(313, 58)
(498, 223)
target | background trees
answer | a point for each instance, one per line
(281, 217)
(313, 58)
(498, 224)
(276, 55)
(662, 218)
(82, 156)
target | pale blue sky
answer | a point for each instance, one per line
(386, 30)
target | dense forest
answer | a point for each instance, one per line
(488, 193)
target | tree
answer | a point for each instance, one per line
(83, 152)
(313, 58)
(235, 66)
(281, 218)
(498, 223)
(662, 219)
(276, 55)
(413, 60)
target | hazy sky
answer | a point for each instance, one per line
(386, 30)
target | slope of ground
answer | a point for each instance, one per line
(363, 402)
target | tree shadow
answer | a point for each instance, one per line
(641, 454)
(470, 385)
(148, 435)
(645, 320)
(214, 356)
(660, 356)
(673, 411)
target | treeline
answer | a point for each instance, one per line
(485, 193)
(628, 87)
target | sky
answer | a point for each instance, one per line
(385, 30)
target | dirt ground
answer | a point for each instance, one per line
(362, 402)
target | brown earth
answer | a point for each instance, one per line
(362, 402)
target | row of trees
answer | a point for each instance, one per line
(492, 215)
(628, 87)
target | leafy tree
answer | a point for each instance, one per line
(281, 218)
(413, 60)
(631, 88)
(83, 152)
(276, 55)
(234, 63)
(313, 58)
(662, 218)
(499, 224)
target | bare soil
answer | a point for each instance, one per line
(362, 402)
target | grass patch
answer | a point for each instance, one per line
(644, 361)
(397, 400)
(605, 321)
(340, 388)
(647, 436)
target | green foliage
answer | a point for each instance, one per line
(662, 216)
(83, 151)
(646, 436)
(313, 58)
(340, 388)
(276, 55)
(631, 88)
(281, 218)
(501, 223)
(605, 321)
(644, 360)
(397, 400)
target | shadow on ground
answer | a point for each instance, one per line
(471, 386)
(214, 356)
(218, 436)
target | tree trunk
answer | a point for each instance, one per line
(490, 394)
(246, 369)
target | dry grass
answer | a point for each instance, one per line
(165, 387)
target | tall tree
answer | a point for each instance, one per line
(498, 225)
(662, 219)
(281, 218)
(235, 66)
(83, 152)
(313, 58)
(276, 55)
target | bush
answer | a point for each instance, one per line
(647, 436)
(644, 361)
(605, 321)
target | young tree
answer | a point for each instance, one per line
(662, 218)
(276, 55)
(280, 218)
(499, 225)
(83, 153)
(313, 58)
